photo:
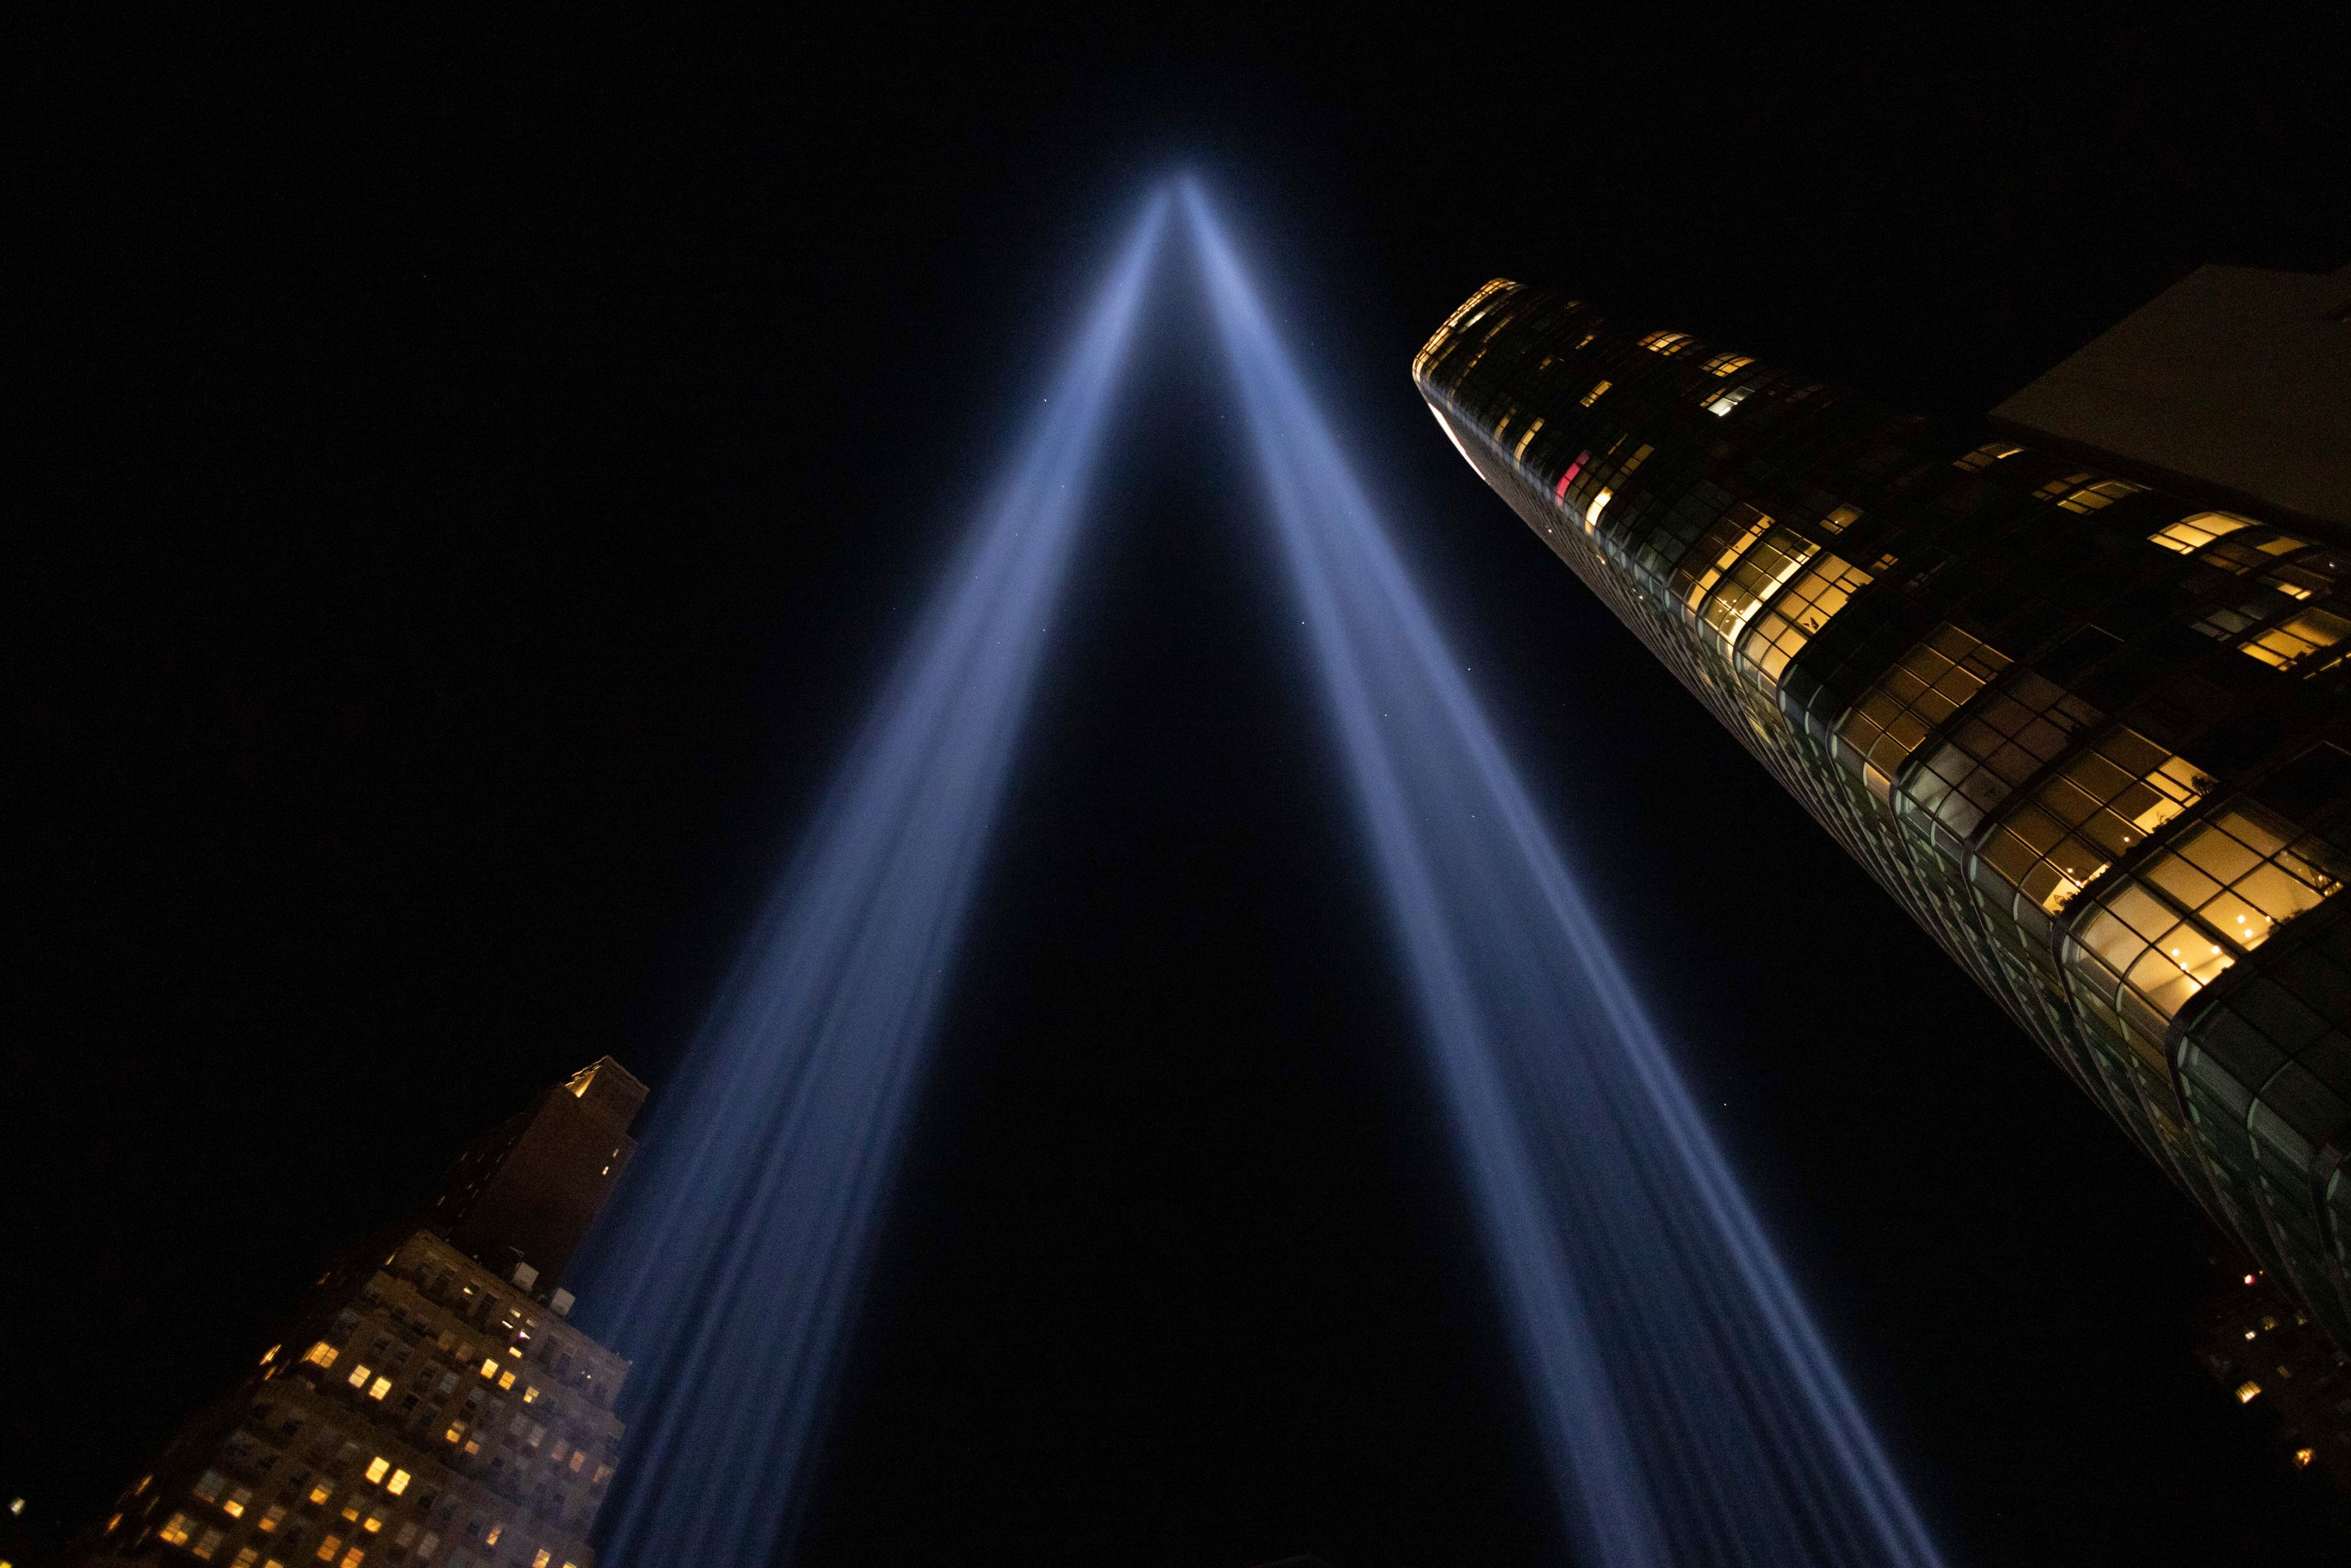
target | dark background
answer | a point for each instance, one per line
(468, 481)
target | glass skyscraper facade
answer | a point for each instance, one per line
(2092, 735)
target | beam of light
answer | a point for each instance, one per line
(1692, 1412)
(730, 1262)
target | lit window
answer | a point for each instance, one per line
(2189, 535)
(235, 1504)
(1717, 551)
(210, 1485)
(1598, 505)
(1728, 365)
(2304, 1456)
(352, 1559)
(542, 1558)
(374, 1523)
(208, 1543)
(398, 1484)
(492, 1538)
(1759, 574)
(1593, 395)
(1841, 518)
(379, 1467)
(1668, 344)
(322, 1492)
(1806, 606)
(1986, 455)
(2085, 493)
(359, 1375)
(1520, 452)
(531, 1394)
(270, 1354)
(505, 1379)
(2247, 1392)
(378, 1389)
(1929, 683)
(176, 1530)
(490, 1368)
(272, 1518)
(1726, 402)
(329, 1547)
(2294, 643)
(2098, 497)
(2099, 806)
(247, 1557)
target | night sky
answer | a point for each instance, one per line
(469, 483)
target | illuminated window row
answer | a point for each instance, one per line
(1903, 707)
(2218, 893)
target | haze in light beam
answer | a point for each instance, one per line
(1692, 1413)
(730, 1263)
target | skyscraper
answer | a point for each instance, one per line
(2083, 713)
(427, 1404)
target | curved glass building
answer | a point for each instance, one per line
(2091, 732)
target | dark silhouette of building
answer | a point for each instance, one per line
(526, 1194)
(2088, 722)
(2262, 1347)
(428, 1404)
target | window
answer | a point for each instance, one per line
(320, 1354)
(1986, 455)
(2095, 498)
(360, 1375)
(322, 1492)
(208, 1543)
(1593, 395)
(1776, 557)
(1840, 518)
(542, 1558)
(2240, 879)
(329, 1547)
(1929, 683)
(1728, 365)
(2003, 742)
(490, 1368)
(1598, 505)
(1722, 405)
(1521, 451)
(210, 1485)
(377, 1469)
(176, 1530)
(2238, 872)
(2090, 814)
(378, 1388)
(247, 1557)
(2294, 644)
(2191, 534)
(2248, 1392)
(398, 1484)
(1717, 551)
(237, 1502)
(274, 1516)
(2084, 492)
(1666, 343)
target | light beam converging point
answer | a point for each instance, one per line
(1693, 1414)
(729, 1269)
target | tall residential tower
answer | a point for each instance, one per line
(428, 1405)
(2085, 714)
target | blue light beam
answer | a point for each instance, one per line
(1693, 1414)
(730, 1263)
